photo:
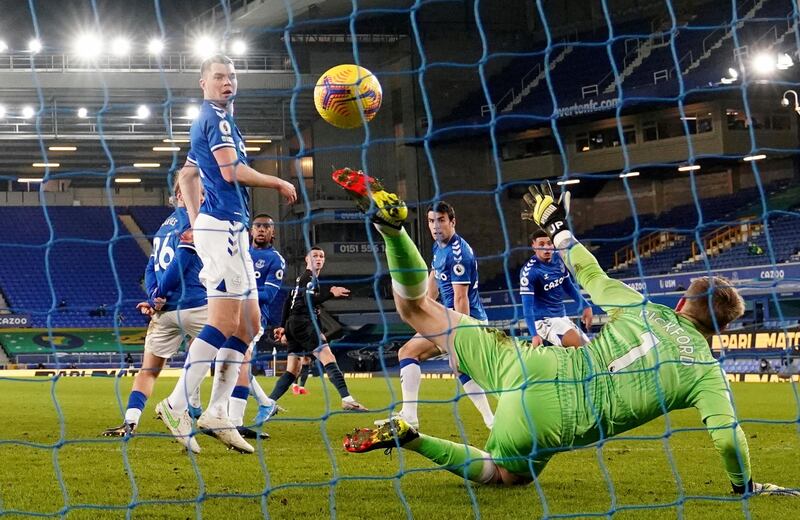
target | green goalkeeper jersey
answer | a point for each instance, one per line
(647, 361)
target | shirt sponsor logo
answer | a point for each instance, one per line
(553, 284)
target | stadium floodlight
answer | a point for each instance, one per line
(238, 47)
(155, 47)
(252, 148)
(120, 47)
(28, 112)
(192, 112)
(733, 73)
(127, 180)
(46, 165)
(763, 63)
(87, 46)
(784, 61)
(63, 148)
(146, 165)
(757, 157)
(30, 179)
(3, 46)
(205, 47)
(2, 111)
(142, 112)
(786, 103)
(83, 112)
(176, 140)
(166, 148)
(568, 182)
(629, 174)
(689, 168)
(257, 140)
(34, 46)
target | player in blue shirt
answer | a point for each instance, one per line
(544, 284)
(177, 307)
(454, 278)
(269, 267)
(218, 164)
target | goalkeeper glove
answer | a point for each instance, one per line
(772, 489)
(547, 212)
(755, 488)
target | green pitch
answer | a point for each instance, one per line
(296, 464)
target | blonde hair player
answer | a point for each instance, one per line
(648, 360)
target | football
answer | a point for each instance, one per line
(346, 96)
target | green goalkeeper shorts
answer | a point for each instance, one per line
(535, 414)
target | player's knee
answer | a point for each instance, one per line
(572, 339)
(407, 352)
(254, 326)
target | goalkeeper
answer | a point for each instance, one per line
(647, 361)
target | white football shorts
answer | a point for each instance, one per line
(553, 329)
(167, 330)
(224, 248)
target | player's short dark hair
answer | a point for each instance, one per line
(315, 248)
(539, 233)
(217, 58)
(441, 206)
(264, 215)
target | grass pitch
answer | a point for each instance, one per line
(52, 462)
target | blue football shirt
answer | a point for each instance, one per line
(214, 129)
(269, 266)
(455, 264)
(174, 267)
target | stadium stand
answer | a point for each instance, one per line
(82, 261)
(704, 47)
(149, 218)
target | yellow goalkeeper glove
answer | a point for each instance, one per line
(547, 212)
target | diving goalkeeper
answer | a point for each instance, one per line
(647, 361)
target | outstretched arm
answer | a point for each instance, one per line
(712, 400)
(551, 216)
(605, 291)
